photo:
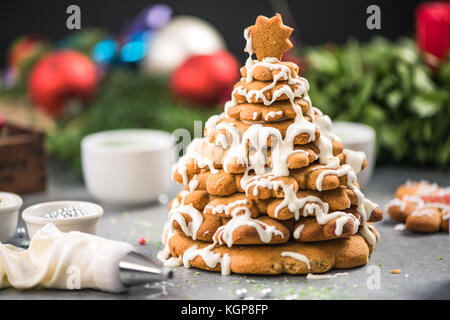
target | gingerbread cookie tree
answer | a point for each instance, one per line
(270, 188)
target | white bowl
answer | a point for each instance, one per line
(35, 219)
(127, 167)
(9, 214)
(358, 137)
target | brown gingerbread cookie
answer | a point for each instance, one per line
(243, 91)
(422, 206)
(263, 73)
(280, 110)
(292, 257)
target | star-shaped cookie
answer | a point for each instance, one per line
(270, 37)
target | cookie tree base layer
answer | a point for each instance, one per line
(268, 259)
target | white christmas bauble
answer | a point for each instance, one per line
(182, 37)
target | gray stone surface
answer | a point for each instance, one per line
(424, 274)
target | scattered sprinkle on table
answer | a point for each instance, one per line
(241, 293)
(65, 213)
(396, 271)
(142, 241)
(441, 258)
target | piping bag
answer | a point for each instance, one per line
(76, 260)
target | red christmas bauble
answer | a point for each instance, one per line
(433, 31)
(192, 81)
(205, 79)
(60, 76)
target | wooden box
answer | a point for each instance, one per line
(23, 162)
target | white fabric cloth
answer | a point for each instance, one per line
(71, 260)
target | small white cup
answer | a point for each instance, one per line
(358, 137)
(35, 219)
(10, 204)
(127, 167)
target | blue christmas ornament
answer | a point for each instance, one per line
(104, 51)
(136, 48)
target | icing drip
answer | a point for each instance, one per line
(298, 231)
(396, 202)
(192, 153)
(354, 159)
(193, 184)
(272, 114)
(225, 208)
(311, 276)
(209, 257)
(265, 232)
(298, 256)
(191, 228)
(423, 212)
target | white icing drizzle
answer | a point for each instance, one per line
(255, 115)
(193, 184)
(209, 257)
(424, 212)
(298, 256)
(396, 202)
(311, 276)
(225, 208)
(265, 231)
(355, 159)
(298, 231)
(272, 114)
(192, 152)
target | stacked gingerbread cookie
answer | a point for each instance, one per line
(270, 188)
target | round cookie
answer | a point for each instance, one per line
(316, 257)
(277, 111)
(263, 73)
(242, 91)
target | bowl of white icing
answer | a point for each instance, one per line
(10, 204)
(127, 167)
(65, 215)
(358, 137)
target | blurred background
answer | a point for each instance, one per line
(316, 22)
(70, 71)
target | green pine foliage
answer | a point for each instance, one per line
(385, 85)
